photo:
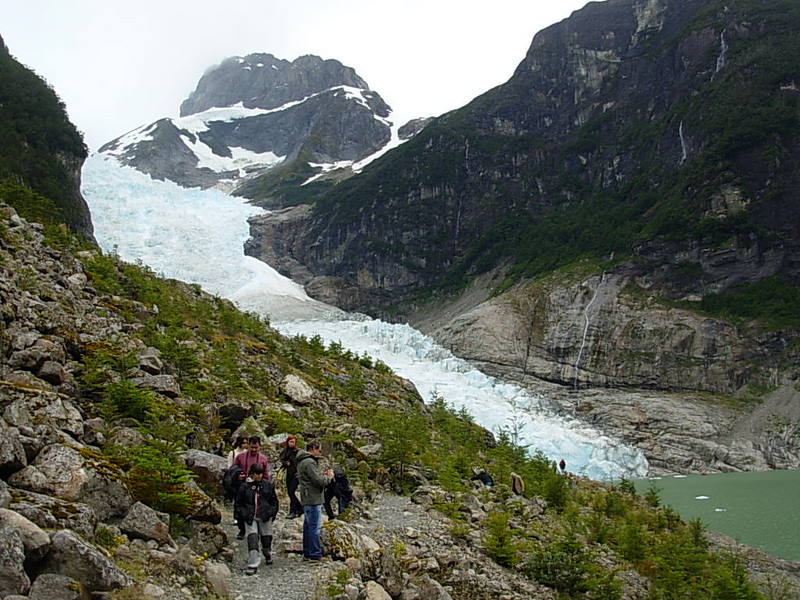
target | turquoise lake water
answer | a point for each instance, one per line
(758, 509)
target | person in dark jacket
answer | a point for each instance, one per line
(340, 489)
(479, 474)
(288, 458)
(257, 504)
(312, 484)
(231, 484)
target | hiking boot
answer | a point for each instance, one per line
(266, 548)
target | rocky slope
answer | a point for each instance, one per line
(40, 150)
(249, 114)
(117, 390)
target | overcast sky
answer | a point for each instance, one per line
(120, 64)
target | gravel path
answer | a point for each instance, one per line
(289, 577)
(292, 578)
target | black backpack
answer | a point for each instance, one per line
(230, 481)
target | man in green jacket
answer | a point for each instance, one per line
(312, 485)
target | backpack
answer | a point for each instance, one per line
(230, 481)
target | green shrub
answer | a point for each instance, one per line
(499, 540)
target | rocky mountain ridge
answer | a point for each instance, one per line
(249, 115)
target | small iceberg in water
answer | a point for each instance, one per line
(701, 497)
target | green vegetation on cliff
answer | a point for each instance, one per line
(39, 147)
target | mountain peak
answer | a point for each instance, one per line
(261, 80)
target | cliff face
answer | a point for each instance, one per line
(40, 149)
(657, 137)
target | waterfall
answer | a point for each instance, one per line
(721, 59)
(586, 329)
(684, 152)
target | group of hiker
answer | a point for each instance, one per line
(250, 484)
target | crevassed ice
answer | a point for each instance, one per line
(197, 236)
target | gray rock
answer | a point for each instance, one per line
(202, 507)
(45, 409)
(145, 523)
(166, 385)
(52, 513)
(52, 586)
(297, 390)
(150, 362)
(77, 475)
(73, 557)
(12, 452)
(342, 541)
(35, 541)
(13, 578)
(207, 538)
(207, 467)
(52, 372)
(375, 591)
(5, 496)
(127, 437)
(218, 576)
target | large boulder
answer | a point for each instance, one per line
(52, 586)
(73, 557)
(34, 540)
(145, 523)
(45, 408)
(13, 578)
(208, 468)
(297, 390)
(201, 506)
(52, 513)
(342, 541)
(79, 475)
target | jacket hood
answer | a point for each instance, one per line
(303, 454)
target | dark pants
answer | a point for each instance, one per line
(312, 526)
(295, 508)
(342, 500)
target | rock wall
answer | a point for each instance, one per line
(680, 386)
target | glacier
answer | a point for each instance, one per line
(197, 236)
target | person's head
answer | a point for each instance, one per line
(313, 447)
(291, 441)
(255, 444)
(240, 442)
(256, 471)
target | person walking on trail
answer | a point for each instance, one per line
(312, 485)
(257, 504)
(253, 456)
(288, 458)
(563, 466)
(239, 446)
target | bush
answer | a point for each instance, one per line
(499, 540)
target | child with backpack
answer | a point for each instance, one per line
(257, 506)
